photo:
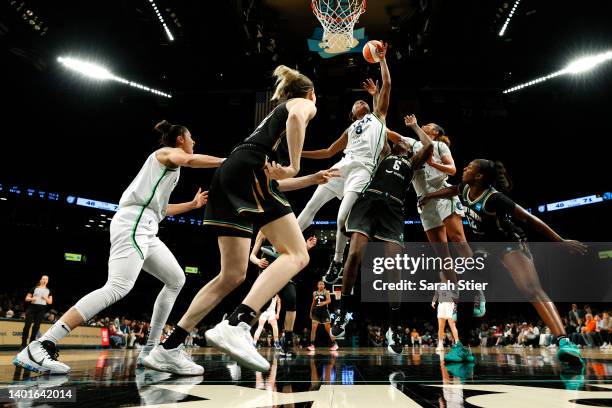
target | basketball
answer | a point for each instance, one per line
(369, 51)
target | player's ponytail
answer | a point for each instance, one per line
(441, 135)
(169, 133)
(494, 174)
(290, 83)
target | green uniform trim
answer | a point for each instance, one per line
(134, 243)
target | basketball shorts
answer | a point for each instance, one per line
(435, 212)
(267, 315)
(241, 195)
(446, 310)
(320, 315)
(377, 216)
(354, 176)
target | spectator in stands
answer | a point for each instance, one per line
(588, 331)
(415, 337)
(10, 314)
(604, 327)
(117, 337)
(575, 316)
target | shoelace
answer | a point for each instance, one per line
(50, 352)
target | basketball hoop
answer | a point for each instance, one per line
(338, 18)
(337, 291)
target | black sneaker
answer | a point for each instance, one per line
(340, 322)
(287, 349)
(333, 273)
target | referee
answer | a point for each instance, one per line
(39, 297)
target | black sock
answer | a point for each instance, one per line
(243, 313)
(176, 338)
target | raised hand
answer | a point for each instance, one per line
(410, 120)
(381, 51)
(370, 86)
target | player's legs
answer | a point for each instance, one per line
(313, 331)
(234, 263)
(345, 208)
(260, 326)
(285, 235)
(274, 323)
(441, 327)
(39, 355)
(321, 196)
(353, 260)
(525, 276)
(453, 327)
(162, 264)
(232, 335)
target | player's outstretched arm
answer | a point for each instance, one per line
(425, 152)
(175, 157)
(335, 148)
(382, 102)
(447, 192)
(296, 183)
(541, 227)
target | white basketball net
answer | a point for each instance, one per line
(338, 18)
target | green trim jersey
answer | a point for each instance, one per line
(392, 177)
(490, 216)
(271, 135)
(366, 139)
(151, 188)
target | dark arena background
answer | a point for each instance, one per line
(494, 74)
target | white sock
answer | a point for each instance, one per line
(57, 332)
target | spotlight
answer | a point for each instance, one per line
(575, 67)
(161, 20)
(512, 11)
(98, 72)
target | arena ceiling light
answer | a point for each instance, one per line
(510, 15)
(161, 20)
(101, 73)
(578, 66)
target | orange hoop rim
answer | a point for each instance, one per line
(359, 11)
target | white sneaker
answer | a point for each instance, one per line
(41, 358)
(175, 361)
(144, 352)
(236, 341)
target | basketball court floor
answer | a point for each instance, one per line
(363, 377)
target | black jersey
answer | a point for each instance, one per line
(490, 216)
(271, 134)
(392, 176)
(319, 298)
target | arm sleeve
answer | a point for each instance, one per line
(500, 204)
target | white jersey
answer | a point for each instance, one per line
(366, 139)
(272, 306)
(151, 188)
(428, 179)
